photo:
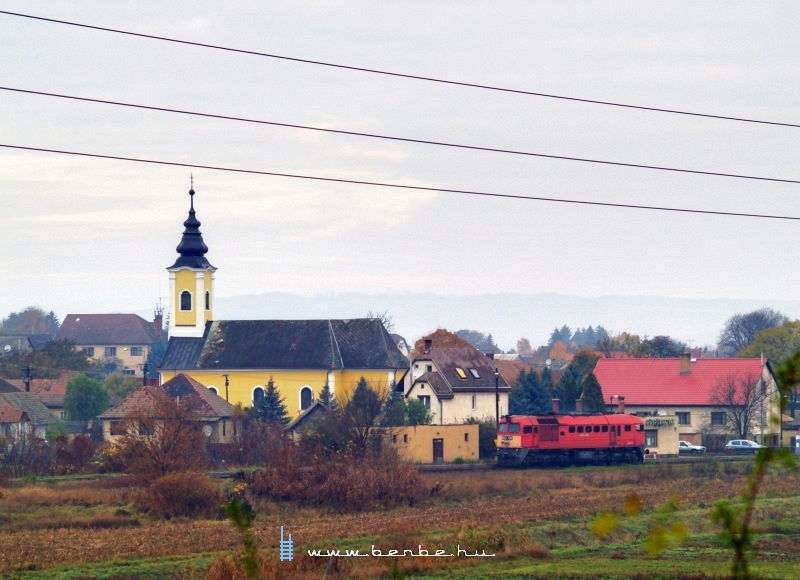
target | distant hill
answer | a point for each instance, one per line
(509, 316)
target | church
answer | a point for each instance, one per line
(236, 359)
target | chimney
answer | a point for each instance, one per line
(490, 355)
(428, 344)
(556, 405)
(158, 319)
(579, 405)
(621, 405)
(686, 363)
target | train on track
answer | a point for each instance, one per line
(562, 439)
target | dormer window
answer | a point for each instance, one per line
(186, 300)
(474, 373)
(460, 372)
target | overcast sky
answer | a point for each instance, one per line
(92, 235)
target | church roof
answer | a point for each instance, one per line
(191, 248)
(361, 343)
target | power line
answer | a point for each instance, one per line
(401, 186)
(404, 75)
(402, 139)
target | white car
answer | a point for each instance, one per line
(686, 447)
(742, 446)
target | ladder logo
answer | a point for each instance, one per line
(286, 547)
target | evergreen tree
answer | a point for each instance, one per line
(547, 392)
(417, 413)
(394, 411)
(593, 400)
(271, 407)
(327, 398)
(530, 395)
(570, 388)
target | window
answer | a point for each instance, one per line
(474, 373)
(651, 437)
(223, 427)
(258, 396)
(208, 300)
(428, 368)
(580, 428)
(129, 372)
(605, 429)
(527, 430)
(111, 351)
(137, 351)
(597, 428)
(306, 398)
(466, 437)
(627, 427)
(88, 351)
(572, 428)
(117, 428)
(474, 397)
(213, 390)
(460, 372)
(718, 418)
(684, 418)
(425, 400)
(513, 428)
(405, 438)
(145, 429)
(186, 300)
(394, 438)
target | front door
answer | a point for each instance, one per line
(438, 450)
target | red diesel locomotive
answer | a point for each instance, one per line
(569, 439)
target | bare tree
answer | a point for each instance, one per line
(740, 329)
(744, 400)
(164, 436)
(384, 317)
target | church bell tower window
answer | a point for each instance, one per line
(186, 300)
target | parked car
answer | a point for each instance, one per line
(742, 446)
(686, 447)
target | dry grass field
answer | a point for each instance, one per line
(537, 523)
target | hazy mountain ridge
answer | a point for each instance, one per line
(509, 316)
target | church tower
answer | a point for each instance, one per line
(191, 282)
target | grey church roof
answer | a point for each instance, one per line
(361, 343)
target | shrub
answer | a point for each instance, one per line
(181, 494)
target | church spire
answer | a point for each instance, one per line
(192, 249)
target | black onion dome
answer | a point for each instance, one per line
(192, 249)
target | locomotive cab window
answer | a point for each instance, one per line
(627, 427)
(513, 428)
(639, 428)
(503, 428)
(535, 429)
(527, 429)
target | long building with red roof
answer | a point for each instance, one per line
(691, 390)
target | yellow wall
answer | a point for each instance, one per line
(415, 444)
(185, 280)
(207, 288)
(288, 383)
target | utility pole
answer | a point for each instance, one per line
(28, 376)
(145, 371)
(497, 399)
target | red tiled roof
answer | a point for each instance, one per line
(11, 414)
(49, 391)
(510, 369)
(658, 381)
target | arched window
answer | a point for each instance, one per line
(208, 300)
(213, 390)
(186, 300)
(306, 398)
(258, 396)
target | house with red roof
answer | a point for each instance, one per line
(707, 396)
(213, 413)
(120, 340)
(457, 384)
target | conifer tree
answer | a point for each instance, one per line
(327, 398)
(272, 406)
(593, 400)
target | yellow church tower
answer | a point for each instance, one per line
(191, 282)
